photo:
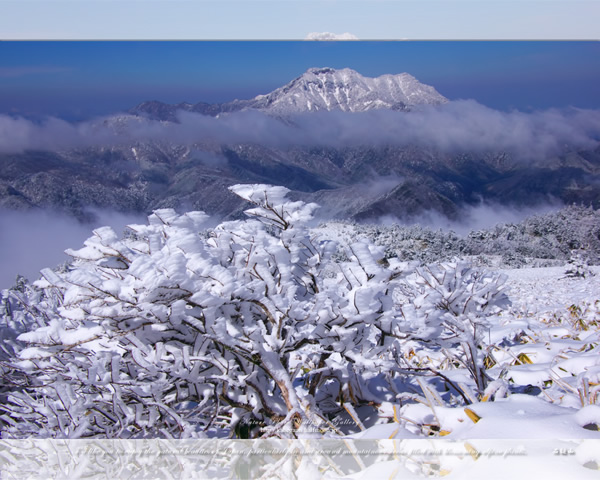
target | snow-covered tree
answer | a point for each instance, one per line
(577, 265)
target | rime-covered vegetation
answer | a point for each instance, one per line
(266, 328)
(541, 240)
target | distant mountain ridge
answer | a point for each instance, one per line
(318, 89)
(360, 181)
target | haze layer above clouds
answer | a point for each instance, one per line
(33, 240)
(459, 126)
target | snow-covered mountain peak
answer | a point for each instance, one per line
(317, 89)
(347, 90)
(323, 70)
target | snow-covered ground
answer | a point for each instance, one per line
(545, 346)
(547, 289)
(412, 371)
(550, 429)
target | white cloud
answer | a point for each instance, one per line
(330, 36)
(36, 239)
(459, 126)
(484, 216)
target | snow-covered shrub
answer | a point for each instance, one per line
(451, 305)
(168, 333)
(252, 328)
(22, 308)
(577, 266)
(583, 317)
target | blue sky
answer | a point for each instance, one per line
(78, 79)
(294, 19)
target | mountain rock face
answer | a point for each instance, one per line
(318, 89)
(363, 182)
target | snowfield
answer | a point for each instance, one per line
(544, 290)
(267, 329)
